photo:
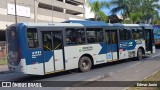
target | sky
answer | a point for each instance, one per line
(107, 10)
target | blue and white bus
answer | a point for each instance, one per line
(44, 48)
(156, 31)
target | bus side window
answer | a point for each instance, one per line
(75, 36)
(137, 33)
(57, 38)
(125, 34)
(122, 34)
(32, 38)
(108, 38)
(94, 35)
(47, 41)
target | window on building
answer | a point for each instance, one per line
(94, 35)
(32, 38)
(75, 36)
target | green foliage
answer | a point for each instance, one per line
(3, 61)
(96, 8)
(126, 21)
(136, 17)
(136, 10)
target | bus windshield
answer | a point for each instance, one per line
(12, 49)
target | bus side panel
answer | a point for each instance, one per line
(31, 58)
(156, 34)
(73, 54)
(127, 49)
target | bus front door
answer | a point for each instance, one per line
(112, 45)
(53, 51)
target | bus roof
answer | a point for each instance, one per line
(51, 24)
(83, 23)
(100, 23)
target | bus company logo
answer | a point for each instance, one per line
(36, 54)
(88, 48)
(123, 45)
(130, 43)
(80, 50)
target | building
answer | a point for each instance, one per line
(88, 13)
(39, 11)
(115, 18)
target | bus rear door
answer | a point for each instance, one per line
(112, 45)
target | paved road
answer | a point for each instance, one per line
(127, 70)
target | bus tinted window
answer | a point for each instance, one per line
(114, 37)
(57, 38)
(128, 34)
(32, 38)
(47, 41)
(108, 37)
(137, 34)
(75, 36)
(94, 35)
(125, 34)
(12, 45)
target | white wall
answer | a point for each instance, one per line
(88, 13)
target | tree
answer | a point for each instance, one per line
(96, 8)
(121, 5)
(149, 9)
(132, 8)
(156, 20)
(135, 17)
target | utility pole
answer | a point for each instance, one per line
(52, 10)
(35, 10)
(15, 11)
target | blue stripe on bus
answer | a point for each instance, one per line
(127, 45)
(27, 53)
(47, 55)
(103, 49)
(108, 48)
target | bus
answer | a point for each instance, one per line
(156, 31)
(44, 48)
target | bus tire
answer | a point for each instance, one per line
(139, 54)
(85, 64)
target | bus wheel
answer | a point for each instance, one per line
(139, 54)
(85, 64)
